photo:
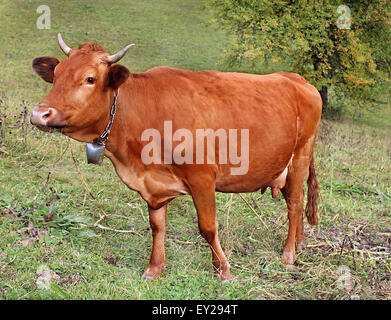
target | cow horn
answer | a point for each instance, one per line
(118, 56)
(62, 44)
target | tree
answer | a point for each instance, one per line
(343, 48)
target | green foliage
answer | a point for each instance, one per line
(46, 221)
(316, 40)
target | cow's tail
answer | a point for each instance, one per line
(311, 210)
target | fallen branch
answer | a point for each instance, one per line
(116, 230)
(372, 252)
(190, 243)
(351, 247)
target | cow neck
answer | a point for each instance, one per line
(95, 150)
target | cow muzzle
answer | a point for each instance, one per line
(47, 118)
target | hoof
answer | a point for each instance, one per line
(290, 267)
(288, 257)
(145, 277)
(225, 282)
(152, 272)
(225, 277)
(221, 270)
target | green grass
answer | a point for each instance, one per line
(353, 161)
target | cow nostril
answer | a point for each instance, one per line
(47, 114)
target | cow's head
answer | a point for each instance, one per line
(83, 88)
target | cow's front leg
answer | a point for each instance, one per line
(157, 221)
(204, 201)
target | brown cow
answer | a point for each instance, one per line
(278, 113)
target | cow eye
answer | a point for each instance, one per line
(90, 80)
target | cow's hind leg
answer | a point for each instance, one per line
(204, 201)
(294, 196)
(157, 221)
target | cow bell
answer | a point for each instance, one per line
(95, 152)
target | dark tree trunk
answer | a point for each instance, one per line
(323, 90)
(323, 94)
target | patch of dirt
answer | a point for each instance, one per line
(369, 248)
(362, 238)
(71, 280)
(31, 234)
(111, 259)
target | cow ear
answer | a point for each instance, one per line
(117, 76)
(44, 67)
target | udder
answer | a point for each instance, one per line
(278, 183)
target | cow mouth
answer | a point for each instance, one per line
(50, 129)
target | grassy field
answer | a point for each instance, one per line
(47, 217)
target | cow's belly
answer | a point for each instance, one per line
(271, 149)
(261, 174)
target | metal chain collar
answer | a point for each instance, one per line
(105, 135)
